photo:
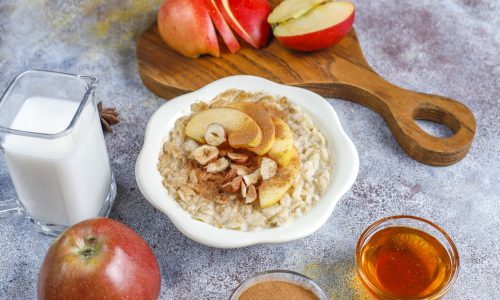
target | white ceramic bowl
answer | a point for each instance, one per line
(149, 180)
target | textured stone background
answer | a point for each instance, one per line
(448, 47)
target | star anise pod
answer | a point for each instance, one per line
(108, 116)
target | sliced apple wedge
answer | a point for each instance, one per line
(242, 130)
(321, 27)
(271, 190)
(248, 19)
(225, 32)
(259, 114)
(282, 149)
(292, 9)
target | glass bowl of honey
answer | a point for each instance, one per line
(406, 257)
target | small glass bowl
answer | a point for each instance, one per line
(280, 275)
(412, 222)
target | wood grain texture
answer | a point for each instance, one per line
(337, 72)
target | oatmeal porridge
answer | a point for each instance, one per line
(246, 161)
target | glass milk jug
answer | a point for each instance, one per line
(53, 146)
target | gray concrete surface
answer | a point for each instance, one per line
(448, 47)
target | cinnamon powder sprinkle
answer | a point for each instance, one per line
(277, 290)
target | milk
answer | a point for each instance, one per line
(63, 180)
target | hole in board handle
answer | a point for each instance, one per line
(435, 129)
(436, 121)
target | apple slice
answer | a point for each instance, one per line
(320, 28)
(282, 149)
(242, 131)
(186, 27)
(271, 190)
(248, 18)
(292, 9)
(260, 115)
(225, 32)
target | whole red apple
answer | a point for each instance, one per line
(186, 27)
(99, 259)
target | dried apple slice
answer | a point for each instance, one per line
(320, 28)
(242, 130)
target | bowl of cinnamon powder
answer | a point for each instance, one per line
(278, 284)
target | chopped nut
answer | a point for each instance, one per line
(215, 134)
(218, 166)
(238, 157)
(243, 189)
(230, 175)
(205, 154)
(252, 178)
(190, 145)
(251, 194)
(233, 186)
(268, 168)
(240, 170)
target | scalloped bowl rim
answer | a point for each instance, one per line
(149, 179)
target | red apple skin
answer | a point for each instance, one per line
(318, 40)
(186, 27)
(118, 265)
(225, 32)
(252, 17)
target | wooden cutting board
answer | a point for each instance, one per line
(337, 72)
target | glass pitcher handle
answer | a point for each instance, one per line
(9, 207)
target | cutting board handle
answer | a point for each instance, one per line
(401, 108)
(409, 106)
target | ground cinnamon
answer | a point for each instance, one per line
(277, 290)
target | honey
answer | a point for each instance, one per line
(405, 263)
